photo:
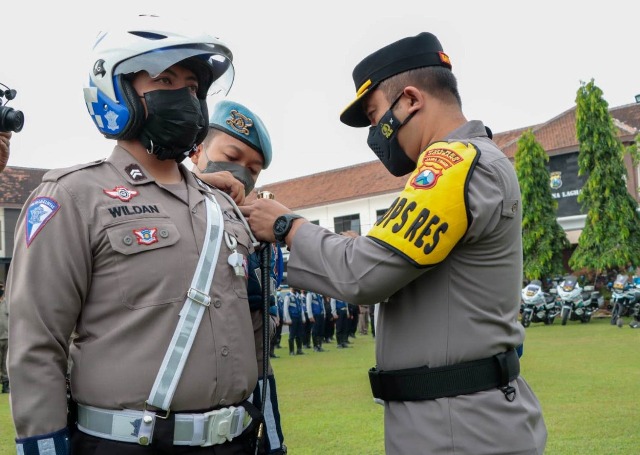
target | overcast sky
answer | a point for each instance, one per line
(518, 63)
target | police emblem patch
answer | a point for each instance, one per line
(433, 164)
(122, 193)
(40, 211)
(112, 120)
(239, 122)
(146, 236)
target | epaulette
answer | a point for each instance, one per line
(55, 174)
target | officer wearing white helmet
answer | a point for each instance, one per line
(143, 263)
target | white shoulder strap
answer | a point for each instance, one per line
(192, 311)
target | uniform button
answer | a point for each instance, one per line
(225, 351)
(194, 210)
(147, 419)
(164, 233)
(127, 239)
(217, 303)
(223, 401)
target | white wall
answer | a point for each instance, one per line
(366, 208)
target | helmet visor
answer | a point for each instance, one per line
(216, 59)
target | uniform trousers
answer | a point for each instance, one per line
(342, 326)
(296, 329)
(4, 346)
(363, 321)
(318, 326)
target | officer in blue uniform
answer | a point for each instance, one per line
(315, 313)
(293, 309)
(238, 146)
(340, 311)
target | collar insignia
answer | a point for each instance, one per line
(135, 172)
(122, 193)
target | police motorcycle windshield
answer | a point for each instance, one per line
(569, 283)
(621, 282)
(156, 61)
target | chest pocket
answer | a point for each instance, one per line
(235, 228)
(149, 271)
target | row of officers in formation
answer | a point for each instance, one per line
(314, 318)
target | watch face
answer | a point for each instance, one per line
(281, 223)
(279, 227)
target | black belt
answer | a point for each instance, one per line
(424, 383)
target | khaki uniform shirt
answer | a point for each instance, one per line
(465, 308)
(114, 263)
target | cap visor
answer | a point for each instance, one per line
(353, 114)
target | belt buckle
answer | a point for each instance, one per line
(218, 426)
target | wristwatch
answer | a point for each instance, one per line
(282, 225)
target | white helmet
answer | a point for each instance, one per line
(149, 44)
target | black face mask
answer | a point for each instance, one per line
(383, 140)
(174, 119)
(241, 173)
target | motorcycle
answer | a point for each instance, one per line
(571, 297)
(625, 298)
(537, 305)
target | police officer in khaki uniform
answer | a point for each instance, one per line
(144, 262)
(446, 347)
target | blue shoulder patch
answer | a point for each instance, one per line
(39, 212)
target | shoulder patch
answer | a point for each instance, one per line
(430, 216)
(39, 212)
(55, 174)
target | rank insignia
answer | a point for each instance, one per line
(134, 171)
(122, 193)
(40, 211)
(146, 236)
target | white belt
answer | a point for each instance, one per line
(210, 428)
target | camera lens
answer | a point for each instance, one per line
(10, 119)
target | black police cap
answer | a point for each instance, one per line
(403, 55)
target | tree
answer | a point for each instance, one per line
(611, 235)
(543, 239)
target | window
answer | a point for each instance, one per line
(347, 223)
(380, 213)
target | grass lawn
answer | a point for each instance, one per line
(585, 375)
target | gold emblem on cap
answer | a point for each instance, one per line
(239, 122)
(444, 58)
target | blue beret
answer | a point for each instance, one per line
(238, 121)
